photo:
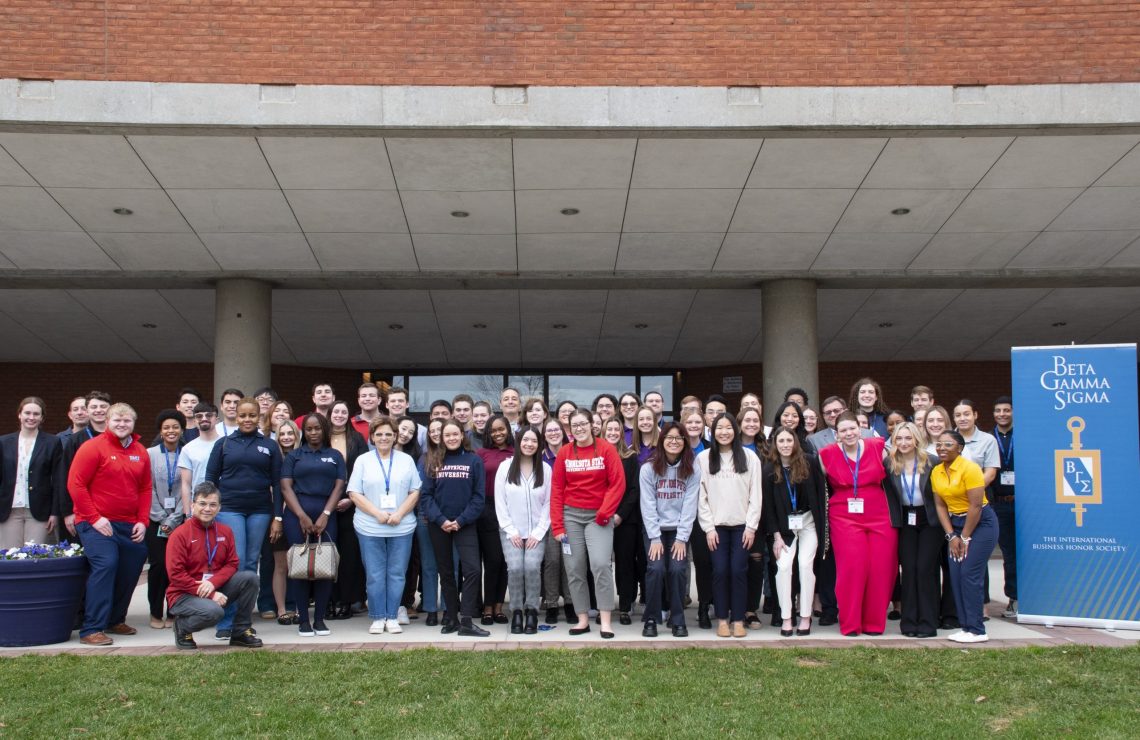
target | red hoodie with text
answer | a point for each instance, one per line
(590, 477)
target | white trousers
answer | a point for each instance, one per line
(805, 543)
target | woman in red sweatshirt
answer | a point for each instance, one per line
(586, 488)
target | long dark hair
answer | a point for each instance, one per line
(487, 443)
(435, 456)
(326, 430)
(739, 460)
(514, 476)
(660, 461)
(412, 448)
(800, 431)
(798, 471)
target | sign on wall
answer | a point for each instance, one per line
(1077, 490)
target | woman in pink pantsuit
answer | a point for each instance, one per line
(863, 523)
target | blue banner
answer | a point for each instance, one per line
(1077, 486)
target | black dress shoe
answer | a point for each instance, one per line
(501, 618)
(922, 635)
(487, 619)
(552, 615)
(910, 634)
(184, 641)
(703, 620)
(828, 619)
(517, 622)
(680, 630)
(804, 632)
(949, 624)
(787, 633)
(432, 619)
(894, 615)
(531, 619)
(471, 629)
(623, 618)
(246, 639)
(579, 630)
(449, 627)
(649, 630)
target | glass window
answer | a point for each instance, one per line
(663, 384)
(423, 389)
(583, 389)
(529, 386)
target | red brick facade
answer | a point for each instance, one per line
(596, 42)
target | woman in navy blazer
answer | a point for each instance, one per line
(31, 479)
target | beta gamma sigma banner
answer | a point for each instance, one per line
(1077, 486)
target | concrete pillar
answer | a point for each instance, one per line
(241, 335)
(791, 351)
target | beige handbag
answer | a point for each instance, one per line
(314, 561)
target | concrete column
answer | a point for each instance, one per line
(241, 335)
(791, 353)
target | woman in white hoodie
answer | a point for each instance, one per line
(522, 504)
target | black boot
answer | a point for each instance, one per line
(703, 620)
(531, 622)
(517, 622)
(571, 615)
(552, 615)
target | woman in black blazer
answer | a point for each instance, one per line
(31, 480)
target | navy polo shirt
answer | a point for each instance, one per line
(314, 472)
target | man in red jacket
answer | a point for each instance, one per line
(110, 486)
(202, 564)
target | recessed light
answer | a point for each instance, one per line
(395, 327)
(460, 214)
(900, 211)
(150, 326)
(886, 325)
(570, 211)
(641, 326)
(1059, 324)
(558, 326)
(123, 211)
(478, 326)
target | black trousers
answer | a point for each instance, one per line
(947, 608)
(825, 584)
(702, 564)
(758, 555)
(466, 541)
(156, 578)
(349, 586)
(920, 548)
(491, 550)
(629, 563)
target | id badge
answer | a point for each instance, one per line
(795, 522)
(207, 576)
(854, 506)
(163, 531)
(388, 501)
(912, 519)
(1007, 477)
(168, 503)
(566, 548)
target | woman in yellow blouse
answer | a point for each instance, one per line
(971, 529)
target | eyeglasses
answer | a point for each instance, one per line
(674, 438)
(833, 412)
(628, 404)
(203, 417)
(581, 425)
(945, 445)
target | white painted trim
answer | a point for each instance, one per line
(1103, 624)
(712, 108)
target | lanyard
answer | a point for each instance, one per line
(910, 489)
(855, 470)
(211, 553)
(89, 433)
(387, 473)
(171, 471)
(792, 490)
(1006, 453)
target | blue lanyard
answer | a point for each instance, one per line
(171, 471)
(909, 490)
(211, 553)
(792, 490)
(1006, 455)
(90, 435)
(855, 471)
(387, 473)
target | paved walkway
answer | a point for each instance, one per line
(352, 635)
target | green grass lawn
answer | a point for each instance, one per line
(861, 692)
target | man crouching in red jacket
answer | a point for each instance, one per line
(202, 564)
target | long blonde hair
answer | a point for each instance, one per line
(895, 458)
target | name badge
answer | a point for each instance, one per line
(387, 501)
(912, 519)
(207, 576)
(795, 522)
(854, 506)
(566, 548)
(1007, 477)
(168, 502)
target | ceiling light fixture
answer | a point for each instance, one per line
(641, 326)
(886, 325)
(1059, 324)
(478, 326)
(150, 326)
(123, 211)
(570, 211)
(395, 327)
(900, 211)
(558, 326)
(460, 214)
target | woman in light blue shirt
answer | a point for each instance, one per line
(385, 486)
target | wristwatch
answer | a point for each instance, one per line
(278, 519)
(952, 535)
(327, 512)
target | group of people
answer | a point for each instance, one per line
(855, 514)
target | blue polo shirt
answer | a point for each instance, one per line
(314, 471)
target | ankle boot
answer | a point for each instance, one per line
(531, 622)
(703, 620)
(517, 622)
(571, 615)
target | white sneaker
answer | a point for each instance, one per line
(393, 626)
(1011, 610)
(402, 615)
(377, 627)
(968, 637)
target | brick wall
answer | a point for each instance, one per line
(612, 42)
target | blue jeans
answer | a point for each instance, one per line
(116, 563)
(429, 572)
(1007, 541)
(249, 534)
(730, 574)
(385, 569)
(968, 577)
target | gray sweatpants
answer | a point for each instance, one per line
(524, 572)
(193, 613)
(586, 535)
